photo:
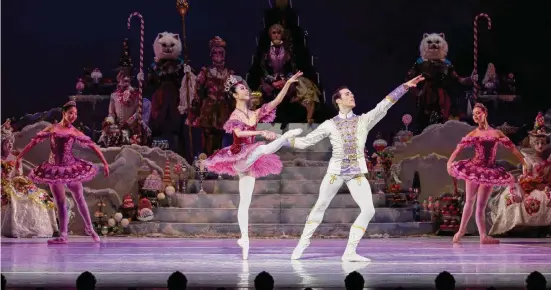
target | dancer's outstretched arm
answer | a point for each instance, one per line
(40, 137)
(86, 141)
(273, 104)
(371, 118)
(322, 131)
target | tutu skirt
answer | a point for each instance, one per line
(226, 160)
(469, 171)
(77, 171)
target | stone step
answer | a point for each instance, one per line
(228, 200)
(291, 172)
(262, 186)
(277, 215)
(275, 230)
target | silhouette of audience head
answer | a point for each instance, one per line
(4, 282)
(444, 281)
(264, 281)
(86, 281)
(354, 281)
(308, 288)
(176, 280)
(536, 281)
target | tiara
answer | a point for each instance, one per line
(217, 41)
(230, 82)
(256, 94)
(70, 104)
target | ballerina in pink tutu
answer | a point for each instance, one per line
(62, 168)
(480, 173)
(245, 157)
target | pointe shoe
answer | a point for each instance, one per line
(457, 237)
(58, 241)
(300, 248)
(292, 133)
(244, 244)
(93, 234)
(353, 257)
(489, 240)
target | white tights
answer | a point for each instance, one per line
(361, 193)
(246, 181)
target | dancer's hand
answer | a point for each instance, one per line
(268, 135)
(106, 170)
(294, 78)
(414, 81)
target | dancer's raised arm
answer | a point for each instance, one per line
(39, 138)
(273, 104)
(321, 132)
(371, 118)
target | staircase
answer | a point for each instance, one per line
(280, 204)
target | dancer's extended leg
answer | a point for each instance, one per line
(329, 187)
(484, 192)
(470, 196)
(78, 195)
(361, 193)
(58, 190)
(246, 188)
(269, 148)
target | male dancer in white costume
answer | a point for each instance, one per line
(347, 133)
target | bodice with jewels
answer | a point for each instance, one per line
(263, 115)
(485, 148)
(61, 146)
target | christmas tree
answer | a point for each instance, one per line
(125, 61)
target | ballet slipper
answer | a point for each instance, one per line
(488, 240)
(93, 234)
(457, 237)
(59, 240)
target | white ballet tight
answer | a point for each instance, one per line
(246, 181)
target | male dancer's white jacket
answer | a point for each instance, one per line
(347, 134)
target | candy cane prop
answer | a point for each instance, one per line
(475, 45)
(140, 87)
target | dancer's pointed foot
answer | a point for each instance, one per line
(457, 237)
(300, 248)
(354, 257)
(59, 240)
(488, 240)
(244, 244)
(292, 133)
(93, 234)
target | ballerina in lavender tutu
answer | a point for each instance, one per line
(481, 173)
(245, 157)
(62, 168)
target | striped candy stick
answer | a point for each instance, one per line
(475, 46)
(140, 87)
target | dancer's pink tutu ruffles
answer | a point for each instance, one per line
(481, 169)
(226, 159)
(62, 166)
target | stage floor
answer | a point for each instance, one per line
(147, 262)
